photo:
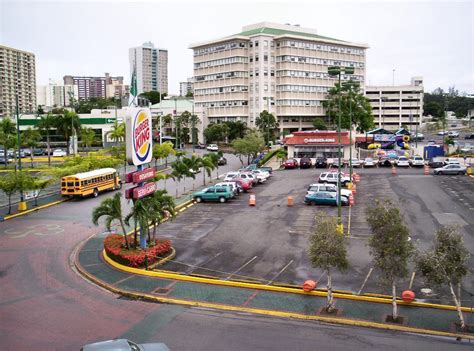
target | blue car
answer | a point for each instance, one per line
(325, 198)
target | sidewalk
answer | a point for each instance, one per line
(235, 297)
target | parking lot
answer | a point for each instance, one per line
(267, 243)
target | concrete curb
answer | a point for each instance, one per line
(34, 209)
(332, 320)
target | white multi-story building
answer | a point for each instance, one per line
(151, 65)
(186, 87)
(274, 67)
(17, 78)
(394, 106)
(54, 95)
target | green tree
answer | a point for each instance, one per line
(39, 185)
(189, 94)
(163, 151)
(178, 171)
(350, 98)
(446, 263)
(266, 123)
(117, 133)
(31, 138)
(140, 214)
(8, 185)
(67, 124)
(192, 164)
(87, 137)
(111, 209)
(327, 251)
(237, 129)
(39, 111)
(434, 109)
(249, 146)
(389, 245)
(216, 132)
(7, 135)
(154, 97)
(46, 124)
(320, 124)
(87, 105)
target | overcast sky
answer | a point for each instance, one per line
(434, 39)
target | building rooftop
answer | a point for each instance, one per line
(277, 30)
(180, 103)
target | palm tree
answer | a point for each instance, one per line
(46, 123)
(162, 176)
(117, 133)
(178, 171)
(141, 217)
(87, 136)
(112, 210)
(208, 164)
(193, 164)
(161, 206)
(66, 124)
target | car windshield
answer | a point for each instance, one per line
(402, 159)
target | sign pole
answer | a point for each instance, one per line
(142, 230)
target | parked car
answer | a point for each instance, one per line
(431, 142)
(453, 134)
(230, 176)
(321, 162)
(59, 153)
(385, 161)
(213, 193)
(212, 147)
(443, 132)
(450, 169)
(27, 152)
(452, 160)
(262, 173)
(469, 135)
(417, 137)
(332, 177)
(222, 161)
(305, 162)
(402, 161)
(356, 163)
(200, 146)
(324, 198)
(436, 162)
(245, 184)
(417, 161)
(317, 187)
(253, 166)
(5, 160)
(290, 164)
(369, 162)
(335, 162)
(39, 152)
(232, 185)
(255, 178)
(124, 345)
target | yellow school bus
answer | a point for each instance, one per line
(90, 183)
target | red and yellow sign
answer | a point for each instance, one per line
(139, 136)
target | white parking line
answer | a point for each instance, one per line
(241, 267)
(194, 267)
(280, 272)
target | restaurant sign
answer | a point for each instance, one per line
(319, 140)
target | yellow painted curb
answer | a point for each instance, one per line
(281, 314)
(195, 279)
(34, 209)
(164, 259)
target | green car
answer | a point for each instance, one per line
(324, 198)
(254, 166)
(220, 193)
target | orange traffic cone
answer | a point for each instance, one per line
(426, 170)
(351, 200)
(252, 200)
(394, 171)
(354, 189)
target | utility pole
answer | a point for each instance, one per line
(22, 204)
(393, 76)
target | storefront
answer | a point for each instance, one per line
(313, 144)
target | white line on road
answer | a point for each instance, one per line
(241, 267)
(280, 272)
(194, 267)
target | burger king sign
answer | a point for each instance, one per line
(138, 136)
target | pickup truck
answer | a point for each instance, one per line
(254, 166)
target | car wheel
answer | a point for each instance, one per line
(198, 199)
(222, 199)
(460, 173)
(96, 192)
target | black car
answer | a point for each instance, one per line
(321, 162)
(384, 161)
(305, 163)
(435, 162)
(222, 161)
(3, 160)
(200, 146)
(469, 136)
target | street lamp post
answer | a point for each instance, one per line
(383, 100)
(350, 85)
(268, 98)
(336, 71)
(193, 131)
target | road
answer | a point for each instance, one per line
(45, 304)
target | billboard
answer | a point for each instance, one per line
(385, 137)
(138, 136)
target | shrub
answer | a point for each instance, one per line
(269, 155)
(114, 246)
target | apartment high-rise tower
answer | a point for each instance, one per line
(17, 77)
(151, 65)
(274, 67)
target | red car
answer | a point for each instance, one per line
(290, 164)
(246, 184)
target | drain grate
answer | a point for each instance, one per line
(162, 291)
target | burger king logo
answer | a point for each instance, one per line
(141, 136)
